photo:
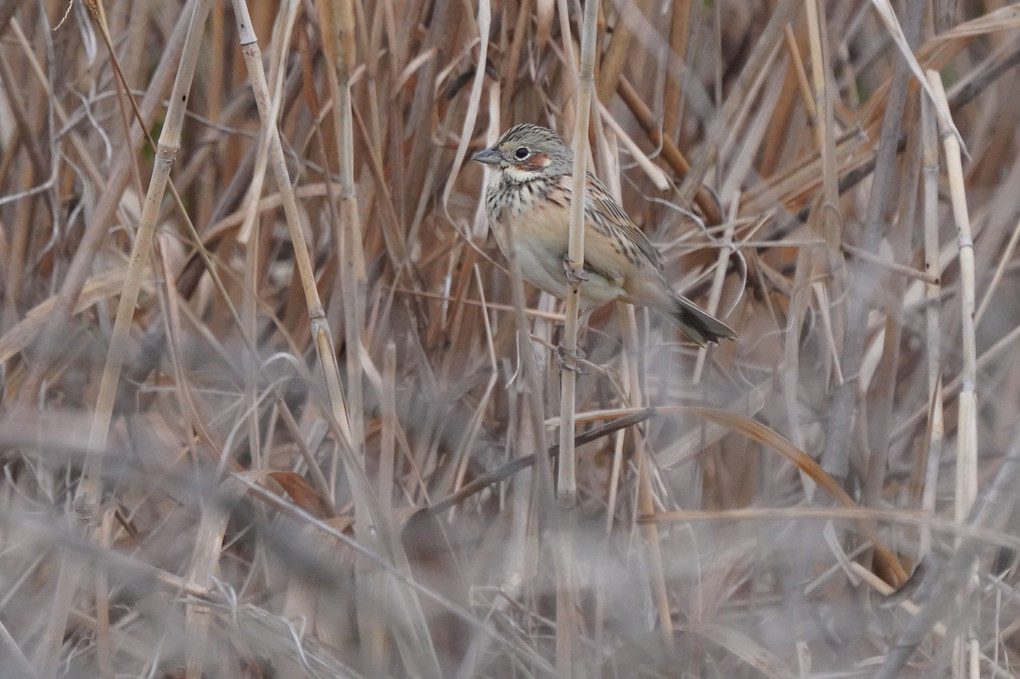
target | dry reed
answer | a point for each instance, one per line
(273, 405)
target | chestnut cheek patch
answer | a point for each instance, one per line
(536, 162)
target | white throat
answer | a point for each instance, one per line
(519, 176)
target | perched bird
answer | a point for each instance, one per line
(529, 196)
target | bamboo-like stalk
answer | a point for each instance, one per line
(320, 329)
(352, 264)
(967, 451)
(566, 485)
(342, 48)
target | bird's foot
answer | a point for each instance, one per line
(572, 276)
(571, 360)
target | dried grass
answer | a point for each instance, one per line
(290, 416)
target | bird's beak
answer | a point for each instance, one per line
(488, 157)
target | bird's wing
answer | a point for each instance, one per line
(606, 215)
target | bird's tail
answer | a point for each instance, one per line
(699, 325)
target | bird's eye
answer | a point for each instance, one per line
(521, 153)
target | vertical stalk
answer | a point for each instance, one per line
(966, 462)
(566, 486)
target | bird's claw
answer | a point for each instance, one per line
(570, 360)
(572, 276)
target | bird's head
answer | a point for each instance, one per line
(527, 152)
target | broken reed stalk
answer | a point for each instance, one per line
(480, 483)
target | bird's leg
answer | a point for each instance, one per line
(568, 271)
(570, 360)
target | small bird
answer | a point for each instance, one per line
(529, 195)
